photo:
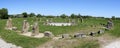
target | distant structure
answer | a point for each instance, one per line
(18, 15)
(60, 24)
(70, 23)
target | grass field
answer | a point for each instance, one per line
(27, 42)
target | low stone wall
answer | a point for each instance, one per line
(60, 24)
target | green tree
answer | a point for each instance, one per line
(39, 15)
(63, 16)
(32, 14)
(0, 16)
(113, 17)
(73, 16)
(24, 15)
(4, 13)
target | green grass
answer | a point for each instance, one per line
(23, 41)
(56, 29)
(116, 30)
(15, 38)
(27, 42)
(88, 44)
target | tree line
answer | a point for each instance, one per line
(25, 15)
(4, 15)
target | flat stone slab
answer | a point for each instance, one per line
(29, 34)
(56, 38)
(48, 34)
(66, 36)
(79, 35)
(60, 24)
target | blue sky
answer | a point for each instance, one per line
(106, 8)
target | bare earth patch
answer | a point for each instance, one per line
(4, 44)
(115, 44)
(107, 41)
(40, 35)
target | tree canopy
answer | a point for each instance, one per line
(4, 13)
(63, 16)
(25, 15)
(32, 14)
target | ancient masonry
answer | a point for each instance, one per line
(25, 27)
(109, 24)
(9, 24)
(35, 29)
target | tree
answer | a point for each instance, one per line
(79, 16)
(39, 15)
(4, 13)
(73, 16)
(87, 16)
(0, 16)
(32, 14)
(24, 15)
(113, 17)
(63, 16)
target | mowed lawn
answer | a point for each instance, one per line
(27, 42)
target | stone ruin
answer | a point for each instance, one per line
(65, 36)
(100, 31)
(96, 33)
(14, 28)
(9, 24)
(35, 29)
(48, 34)
(109, 24)
(47, 22)
(69, 23)
(73, 22)
(79, 35)
(25, 26)
(81, 20)
(92, 33)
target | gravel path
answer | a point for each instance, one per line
(115, 44)
(4, 44)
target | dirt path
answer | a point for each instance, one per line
(4, 44)
(107, 41)
(61, 43)
(115, 44)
